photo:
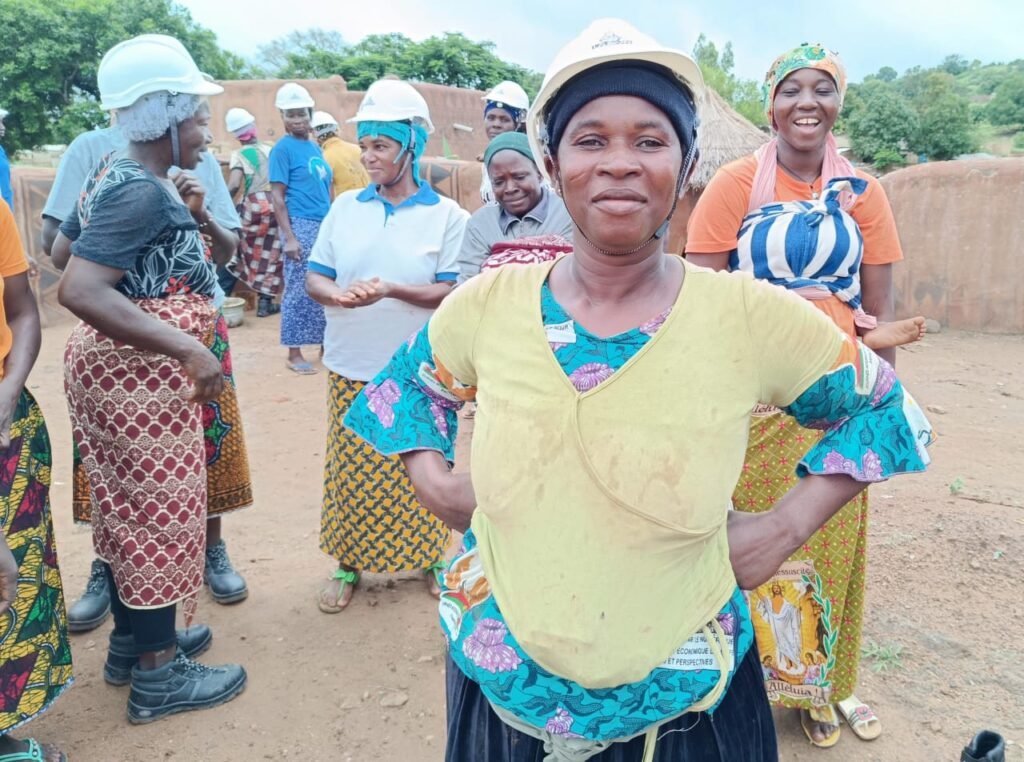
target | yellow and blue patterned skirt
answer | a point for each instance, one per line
(371, 519)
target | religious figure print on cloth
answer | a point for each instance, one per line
(791, 618)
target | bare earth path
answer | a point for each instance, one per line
(946, 586)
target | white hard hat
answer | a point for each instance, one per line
(510, 94)
(293, 95)
(322, 119)
(3, 114)
(603, 41)
(392, 100)
(237, 118)
(148, 64)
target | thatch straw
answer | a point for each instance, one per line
(724, 136)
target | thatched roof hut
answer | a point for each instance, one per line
(724, 136)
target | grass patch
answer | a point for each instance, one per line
(884, 657)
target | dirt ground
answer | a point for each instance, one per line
(945, 608)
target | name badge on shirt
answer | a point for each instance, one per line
(561, 333)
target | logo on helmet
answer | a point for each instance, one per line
(609, 39)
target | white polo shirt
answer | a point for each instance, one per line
(364, 236)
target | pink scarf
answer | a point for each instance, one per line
(763, 190)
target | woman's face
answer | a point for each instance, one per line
(193, 137)
(296, 122)
(515, 181)
(805, 109)
(378, 156)
(497, 121)
(618, 163)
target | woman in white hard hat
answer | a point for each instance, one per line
(597, 601)
(505, 108)
(138, 368)
(341, 156)
(385, 258)
(258, 262)
(301, 184)
(35, 653)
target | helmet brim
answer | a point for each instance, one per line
(680, 65)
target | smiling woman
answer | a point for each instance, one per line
(596, 600)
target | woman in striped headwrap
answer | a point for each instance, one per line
(808, 617)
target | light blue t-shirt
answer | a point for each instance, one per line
(6, 191)
(300, 165)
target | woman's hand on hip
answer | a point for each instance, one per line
(204, 371)
(756, 547)
(8, 403)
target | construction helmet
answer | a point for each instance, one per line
(237, 118)
(322, 120)
(392, 100)
(508, 93)
(3, 114)
(293, 95)
(149, 63)
(603, 41)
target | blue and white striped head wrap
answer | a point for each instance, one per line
(805, 244)
(412, 138)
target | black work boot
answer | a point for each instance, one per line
(122, 654)
(93, 608)
(987, 746)
(266, 307)
(181, 685)
(226, 585)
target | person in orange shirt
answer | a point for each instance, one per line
(35, 654)
(803, 92)
(342, 157)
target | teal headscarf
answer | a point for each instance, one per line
(412, 137)
(509, 141)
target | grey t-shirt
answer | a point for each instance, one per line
(491, 224)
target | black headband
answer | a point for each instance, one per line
(652, 83)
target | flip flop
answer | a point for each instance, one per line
(817, 715)
(863, 722)
(302, 368)
(343, 577)
(34, 753)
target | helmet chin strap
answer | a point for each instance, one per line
(406, 162)
(662, 229)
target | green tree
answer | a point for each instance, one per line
(954, 64)
(50, 53)
(887, 74)
(879, 121)
(743, 94)
(451, 59)
(1007, 104)
(944, 128)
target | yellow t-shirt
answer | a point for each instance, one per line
(601, 516)
(12, 262)
(343, 159)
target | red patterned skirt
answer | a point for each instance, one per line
(142, 445)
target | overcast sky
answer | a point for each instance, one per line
(867, 34)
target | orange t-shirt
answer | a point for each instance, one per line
(12, 262)
(715, 221)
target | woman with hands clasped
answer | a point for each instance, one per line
(385, 258)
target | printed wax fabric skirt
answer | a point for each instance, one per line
(35, 655)
(808, 617)
(258, 261)
(302, 319)
(740, 729)
(142, 445)
(228, 481)
(370, 518)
